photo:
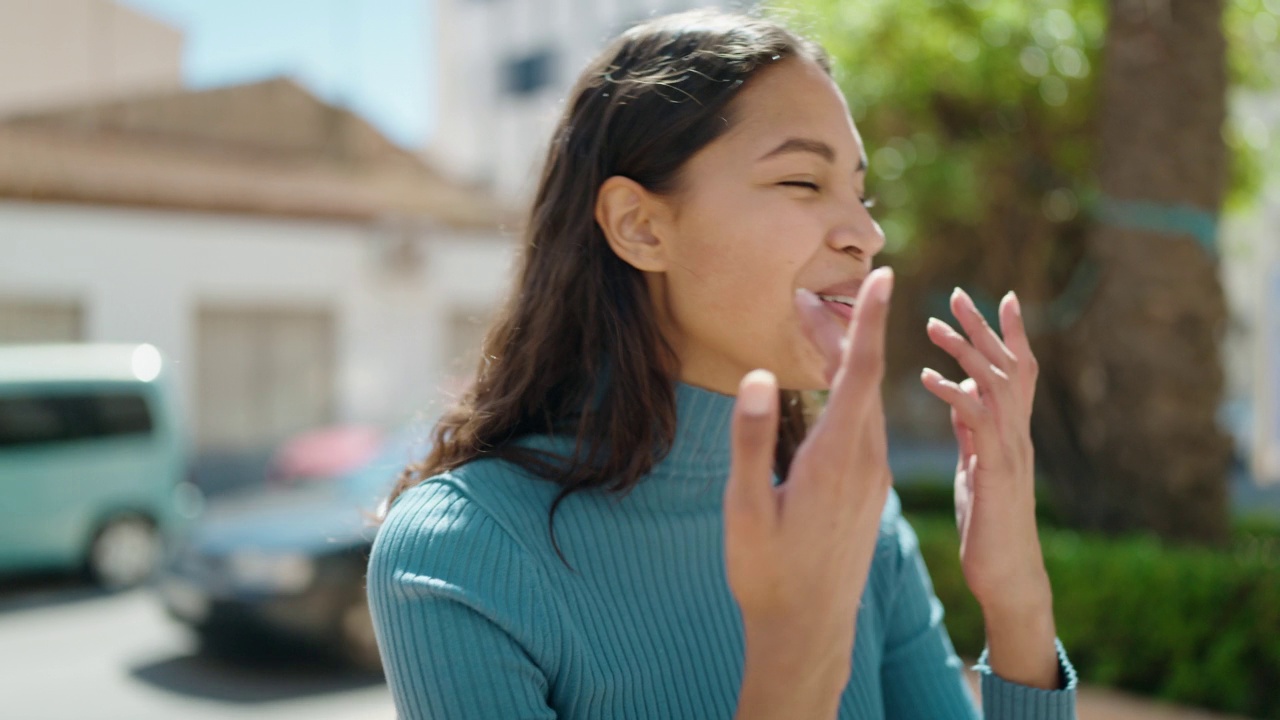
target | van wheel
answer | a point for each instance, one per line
(124, 552)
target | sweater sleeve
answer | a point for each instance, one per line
(922, 676)
(458, 610)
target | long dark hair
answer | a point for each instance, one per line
(578, 313)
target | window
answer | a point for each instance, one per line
(43, 419)
(530, 73)
(264, 373)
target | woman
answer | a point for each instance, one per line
(628, 514)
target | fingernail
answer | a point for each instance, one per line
(885, 289)
(929, 374)
(1013, 300)
(756, 394)
(942, 327)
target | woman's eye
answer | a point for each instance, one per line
(800, 183)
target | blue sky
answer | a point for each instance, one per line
(369, 55)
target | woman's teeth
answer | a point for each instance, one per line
(843, 299)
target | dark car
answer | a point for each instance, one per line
(287, 562)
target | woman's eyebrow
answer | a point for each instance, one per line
(809, 145)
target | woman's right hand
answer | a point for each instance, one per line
(798, 555)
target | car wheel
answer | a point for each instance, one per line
(124, 552)
(358, 645)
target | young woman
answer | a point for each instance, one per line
(630, 513)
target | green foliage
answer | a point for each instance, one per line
(1252, 28)
(970, 106)
(1192, 626)
(953, 98)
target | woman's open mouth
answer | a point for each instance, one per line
(841, 305)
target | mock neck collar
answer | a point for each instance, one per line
(702, 445)
(692, 476)
(693, 473)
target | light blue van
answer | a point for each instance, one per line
(92, 464)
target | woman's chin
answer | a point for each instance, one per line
(806, 379)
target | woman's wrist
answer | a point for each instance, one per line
(1021, 642)
(784, 680)
(770, 695)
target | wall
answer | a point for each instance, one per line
(141, 275)
(61, 52)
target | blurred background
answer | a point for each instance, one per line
(248, 250)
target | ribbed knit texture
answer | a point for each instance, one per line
(477, 617)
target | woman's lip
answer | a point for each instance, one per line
(844, 311)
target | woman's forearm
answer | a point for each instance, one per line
(1020, 643)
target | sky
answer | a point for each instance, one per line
(367, 55)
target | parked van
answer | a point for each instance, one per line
(92, 464)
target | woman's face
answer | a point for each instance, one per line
(773, 205)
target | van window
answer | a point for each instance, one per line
(42, 419)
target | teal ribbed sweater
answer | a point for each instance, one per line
(477, 617)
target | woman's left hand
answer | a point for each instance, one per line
(995, 473)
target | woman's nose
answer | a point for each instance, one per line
(860, 237)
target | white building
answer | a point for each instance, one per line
(504, 68)
(58, 52)
(1251, 279)
(296, 267)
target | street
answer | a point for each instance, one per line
(69, 652)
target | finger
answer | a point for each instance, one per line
(875, 452)
(964, 436)
(749, 495)
(822, 329)
(1015, 334)
(971, 411)
(980, 333)
(975, 364)
(861, 370)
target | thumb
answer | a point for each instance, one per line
(749, 496)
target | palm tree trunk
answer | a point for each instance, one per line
(1127, 431)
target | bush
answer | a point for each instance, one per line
(1187, 625)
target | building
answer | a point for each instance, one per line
(295, 266)
(1250, 267)
(57, 52)
(504, 68)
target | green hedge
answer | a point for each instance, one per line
(1192, 626)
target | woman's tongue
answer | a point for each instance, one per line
(844, 311)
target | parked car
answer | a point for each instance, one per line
(92, 461)
(288, 561)
(324, 454)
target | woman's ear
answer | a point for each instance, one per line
(626, 213)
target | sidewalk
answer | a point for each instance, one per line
(1103, 704)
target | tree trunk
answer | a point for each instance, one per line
(1127, 426)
